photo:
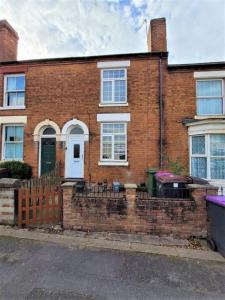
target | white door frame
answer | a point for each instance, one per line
(73, 138)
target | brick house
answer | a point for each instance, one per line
(112, 116)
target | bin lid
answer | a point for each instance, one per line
(166, 177)
(220, 200)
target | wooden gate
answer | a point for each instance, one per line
(40, 201)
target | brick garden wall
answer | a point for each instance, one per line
(158, 216)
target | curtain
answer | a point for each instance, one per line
(198, 167)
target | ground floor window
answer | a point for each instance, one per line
(13, 142)
(208, 156)
(113, 141)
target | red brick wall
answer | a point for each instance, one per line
(63, 91)
(181, 218)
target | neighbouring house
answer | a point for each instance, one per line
(112, 116)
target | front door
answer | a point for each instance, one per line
(48, 154)
(75, 158)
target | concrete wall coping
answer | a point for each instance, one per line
(68, 184)
(10, 183)
(202, 186)
(130, 186)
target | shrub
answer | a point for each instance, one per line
(17, 169)
(175, 166)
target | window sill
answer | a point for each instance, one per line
(112, 104)
(209, 117)
(6, 160)
(113, 163)
(12, 107)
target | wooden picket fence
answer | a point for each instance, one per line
(40, 200)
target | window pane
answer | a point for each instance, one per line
(9, 151)
(118, 128)
(10, 133)
(18, 151)
(198, 145)
(198, 167)
(11, 83)
(76, 151)
(20, 83)
(217, 166)
(113, 128)
(107, 91)
(119, 147)
(107, 147)
(217, 145)
(112, 74)
(209, 88)
(12, 99)
(120, 92)
(18, 133)
(20, 99)
(107, 128)
(212, 106)
(49, 130)
(77, 130)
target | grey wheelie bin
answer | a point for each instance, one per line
(216, 215)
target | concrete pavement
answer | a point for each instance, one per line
(113, 244)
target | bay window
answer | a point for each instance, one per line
(14, 93)
(210, 97)
(208, 156)
(113, 142)
(13, 142)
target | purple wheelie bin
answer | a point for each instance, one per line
(216, 214)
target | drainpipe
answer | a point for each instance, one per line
(161, 107)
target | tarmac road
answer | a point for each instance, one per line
(41, 270)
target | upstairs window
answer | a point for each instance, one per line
(13, 142)
(14, 95)
(114, 86)
(210, 97)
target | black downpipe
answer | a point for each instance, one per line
(161, 111)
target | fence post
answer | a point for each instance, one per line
(67, 203)
(198, 193)
(131, 204)
(8, 200)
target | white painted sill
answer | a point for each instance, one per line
(112, 104)
(12, 107)
(113, 163)
(210, 117)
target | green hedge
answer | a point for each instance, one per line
(17, 169)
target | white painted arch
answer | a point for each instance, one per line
(67, 126)
(42, 125)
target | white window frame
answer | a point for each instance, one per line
(206, 155)
(5, 106)
(212, 97)
(113, 102)
(113, 161)
(3, 141)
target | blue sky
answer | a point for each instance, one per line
(58, 28)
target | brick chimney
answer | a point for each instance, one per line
(8, 42)
(157, 35)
